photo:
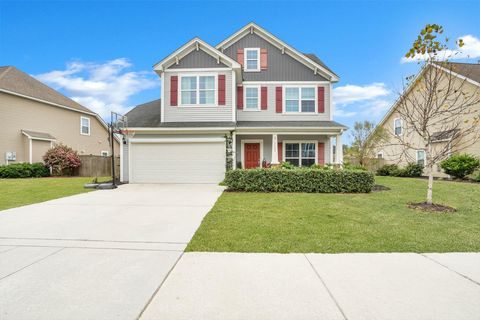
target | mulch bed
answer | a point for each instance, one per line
(438, 208)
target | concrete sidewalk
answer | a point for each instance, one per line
(320, 286)
(99, 255)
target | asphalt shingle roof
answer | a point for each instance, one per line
(469, 70)
(16, 81)
(38, 135)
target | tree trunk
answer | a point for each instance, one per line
(430, 185)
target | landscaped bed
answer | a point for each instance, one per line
(374, 222)
(19, 192)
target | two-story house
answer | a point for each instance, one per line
(274, 102)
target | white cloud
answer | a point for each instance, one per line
(355, 100)
(470, 50)
(101, 87)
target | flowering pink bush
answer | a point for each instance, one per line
(62, 159)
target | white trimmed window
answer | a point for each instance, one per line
(252, 98)
(421, 157)
(197, 90)
(85, 126)
(380, 155)
(252, 59)
(300, 154)
(299, 100)
(398, 126)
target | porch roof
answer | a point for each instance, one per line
(291, 124)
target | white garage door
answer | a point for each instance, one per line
(186, 162)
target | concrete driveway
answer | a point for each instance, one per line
(99, 255)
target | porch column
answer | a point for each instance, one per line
(274, 149)
(338, 149)
(234, 150)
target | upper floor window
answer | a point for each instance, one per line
(299, 99)
(380, 155)
(421, 157)
(197, 90)
(398, 126)
(85, 126)
(252, 59)
(252, 98)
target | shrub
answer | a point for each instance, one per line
(24, 170)
(62, 159)
(354, 167)
(388, 170)
(411, 170)
(460, 165)
(287, 165)
(301, 180)
(476, 177)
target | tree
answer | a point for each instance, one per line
(365, 139)
(62, 159)
(437, 107)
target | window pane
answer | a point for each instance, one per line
(252, 64)
(308, 106)
(84, 130)
(291, 105)
(84, 122)
(207, 82)
(295, 162)
(207, 96)
(308, 93)
(252, 54)
(307, 162)
(292, 150)
(252, 103)
(291, 93)
(189, 97)
(251, 92)
(308, 150)
(189, 83)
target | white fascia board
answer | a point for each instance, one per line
(175, 140)
(195, 44)
(186, 129)
(280, 45)
(287, 82)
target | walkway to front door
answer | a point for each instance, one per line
(252, 155)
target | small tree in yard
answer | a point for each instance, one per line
(365, 138)
(436, 108)
(62, 159)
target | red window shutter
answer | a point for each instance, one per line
(321, 153)
(321, 99)
(280, 152)
(240, 56)
(221, 89)
(173, 90)
(239, 97)
(264, 98)
(278, 99)
(263, 59)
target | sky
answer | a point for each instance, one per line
(101, 53)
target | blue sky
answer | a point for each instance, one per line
(101, 53)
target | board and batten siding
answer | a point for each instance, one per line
(281, 67)
(270, 113)
(198, 113)
(198, 59)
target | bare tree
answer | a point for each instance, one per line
(365, 138)
(439, 109)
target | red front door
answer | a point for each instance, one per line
(252, 155)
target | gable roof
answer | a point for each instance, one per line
(310, 61)
(195, 44)
(18, 82)
(468, 70)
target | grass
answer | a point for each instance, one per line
(333, 223)
(20, 192)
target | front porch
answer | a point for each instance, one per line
(303, 149)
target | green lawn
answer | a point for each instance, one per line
(375, 222)
(20, 192)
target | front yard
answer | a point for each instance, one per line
(20, 192)
(332, 223)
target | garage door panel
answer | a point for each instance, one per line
(196, 162)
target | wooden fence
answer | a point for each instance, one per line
(371, 164)
(97, 166)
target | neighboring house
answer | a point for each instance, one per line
(393, 124)
(34, 117)
(274, 101)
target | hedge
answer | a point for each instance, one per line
(301, 180)
(24, 170)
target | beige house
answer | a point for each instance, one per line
(448, 134)
(34, 117)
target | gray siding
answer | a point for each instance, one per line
(281, 67)
(271, 115)
(199, 113)
(198, 59)
(267, 144)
